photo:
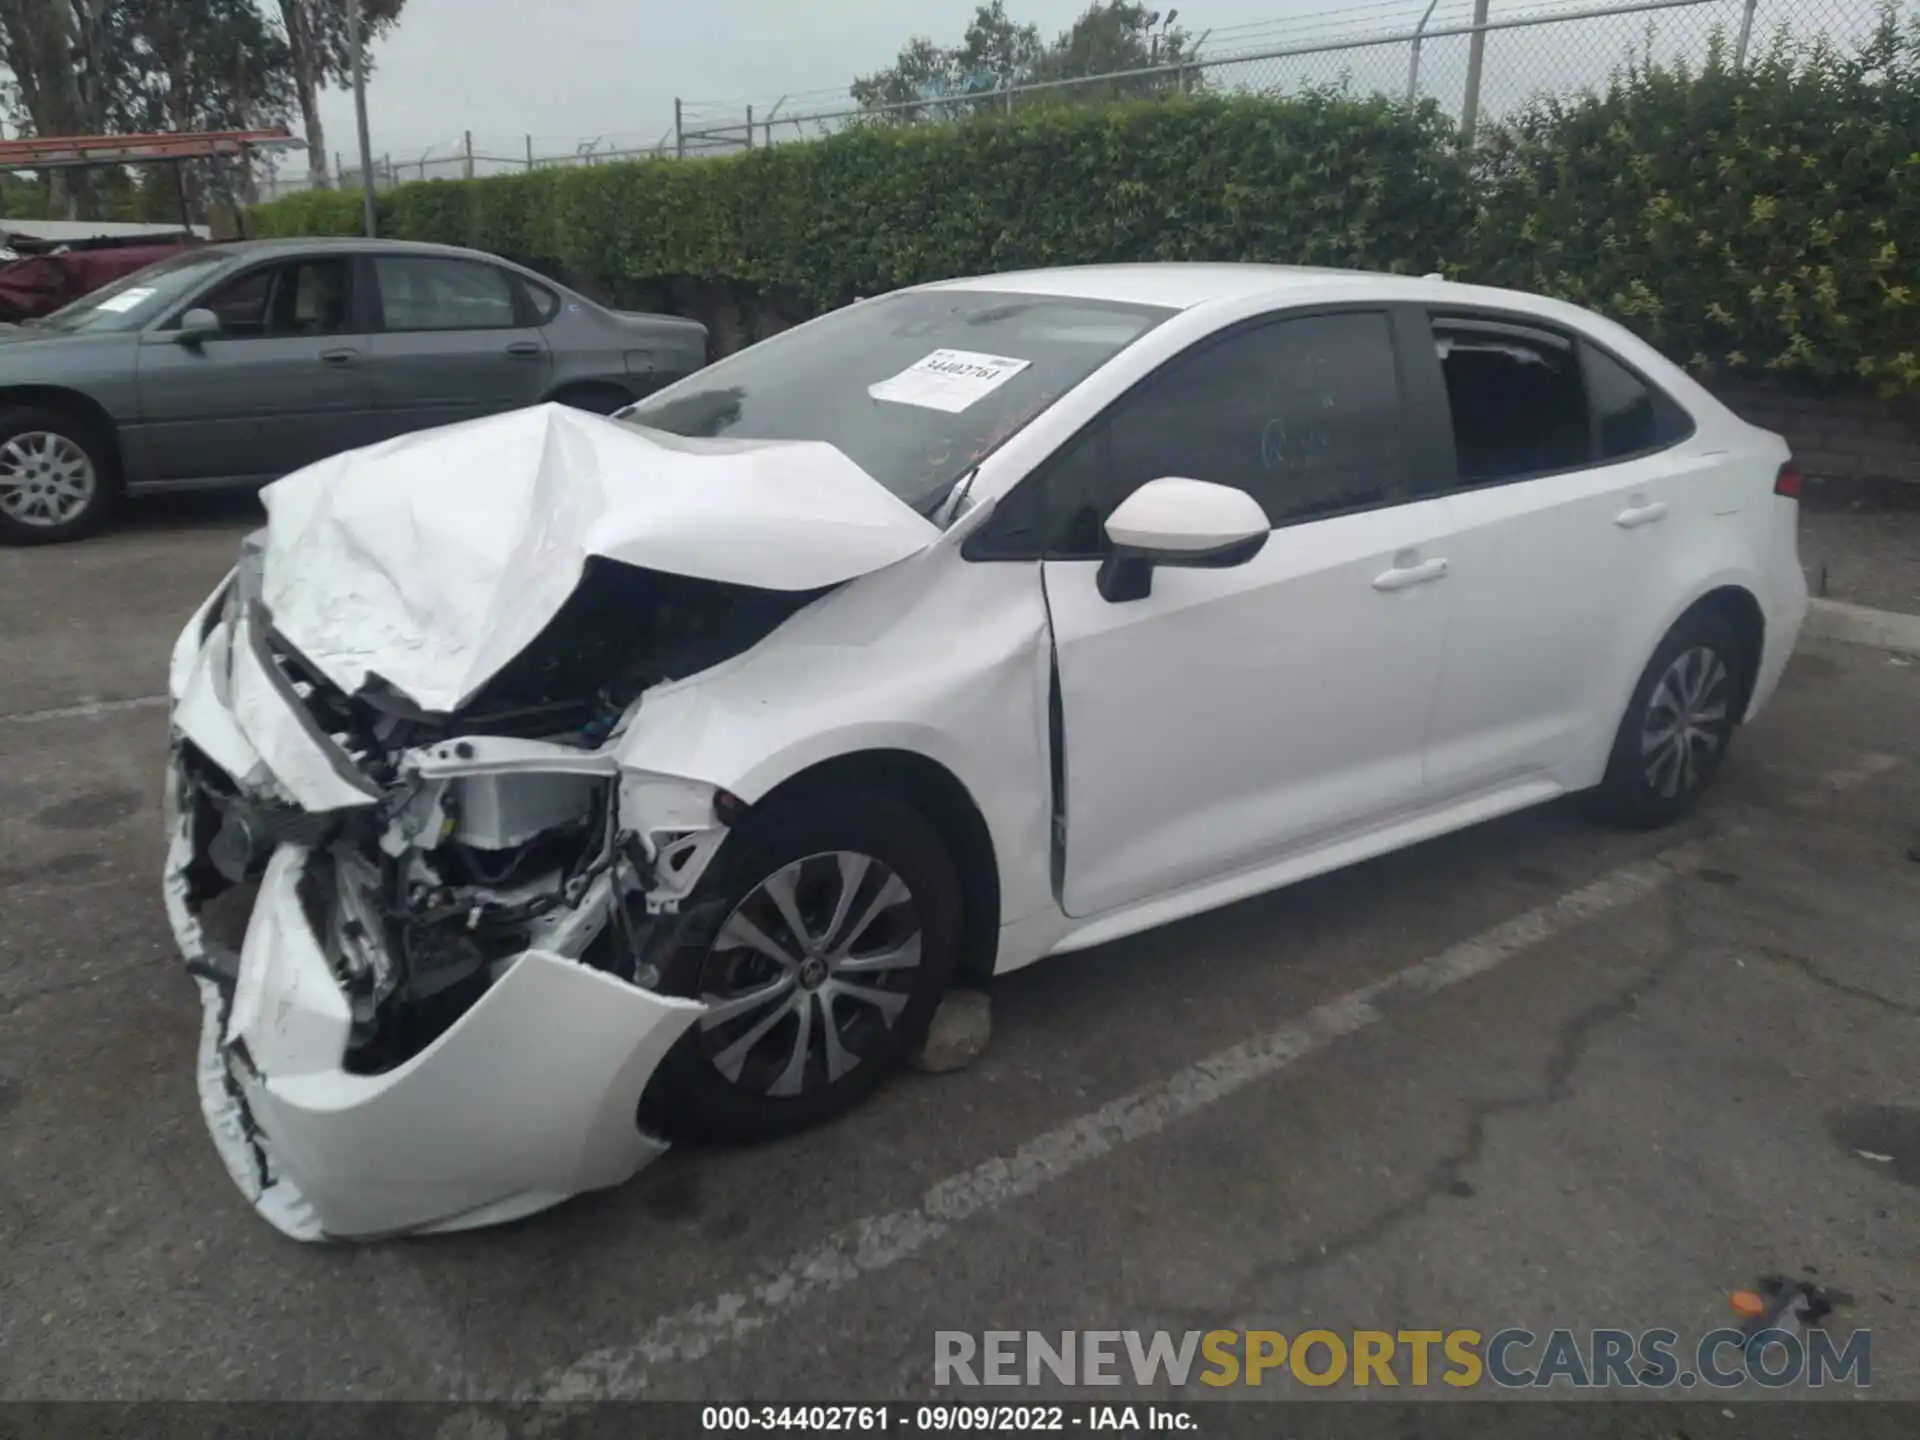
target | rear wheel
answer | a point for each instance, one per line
(1678, 725)
(56, 477)
(836, 928)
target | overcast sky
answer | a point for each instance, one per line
(566, 71)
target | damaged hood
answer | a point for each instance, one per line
(432, 560)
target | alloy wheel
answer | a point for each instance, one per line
(815, 962)
(46, 479)
(1686, 722)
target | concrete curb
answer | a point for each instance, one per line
(1858, 625)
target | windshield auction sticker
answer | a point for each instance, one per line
(125, 300)
(948, 380)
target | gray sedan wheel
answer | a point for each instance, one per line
(55, 483)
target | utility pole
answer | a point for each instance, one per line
(679, 135)
(358, 41)
(1746, 34)
(1476, 55)
(1413, 64)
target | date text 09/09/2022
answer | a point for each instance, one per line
(980, 1419)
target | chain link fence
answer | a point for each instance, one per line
(1410, 49)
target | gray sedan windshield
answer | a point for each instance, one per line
(133, 300)
(915, 388)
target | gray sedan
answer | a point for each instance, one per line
(232, 365)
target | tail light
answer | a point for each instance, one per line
(1788, 481)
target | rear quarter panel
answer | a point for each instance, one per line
(636, 353)
(1731, 539)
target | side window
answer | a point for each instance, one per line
(1518, 402)
(422, 292)
(299, 298)
(1632, 416)
(542, 302)
(1304, 415)
(242, 304)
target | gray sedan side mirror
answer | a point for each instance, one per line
(196, 325)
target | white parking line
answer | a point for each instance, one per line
(1834, 781)
(878, 1242)
(85, 710)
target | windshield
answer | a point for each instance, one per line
(133, 300)
(915, 388)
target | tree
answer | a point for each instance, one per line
(56, 54)
(997, 53)
(198, 65)
(91, 67)
(1113, 38)
(320, 53)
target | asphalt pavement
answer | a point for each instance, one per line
(1540, 1073)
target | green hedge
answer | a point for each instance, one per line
(1752, 221)
(1322, 179)
(1766, 221)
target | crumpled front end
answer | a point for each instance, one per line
(437, 1013)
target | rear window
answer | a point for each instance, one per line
(1517, 400)
(1631, 417)
(433, 292)
(1530, 401)
(915, 388)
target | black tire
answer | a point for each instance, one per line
(692, 1097)
(594, 399)
(23, 422)
(1650, 783)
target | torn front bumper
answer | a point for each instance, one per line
(530, 1096)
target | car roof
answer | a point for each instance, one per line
(339, 244)
(1190, 286)
(1184, 286)
(1179, 286)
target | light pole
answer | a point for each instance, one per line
(1153, 18)
(1476, 58)
(358, 43)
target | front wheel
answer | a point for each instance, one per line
(56, 478)
(835, 931)
(1678, 725)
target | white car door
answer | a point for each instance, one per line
(1231, 715)
(1568, 504)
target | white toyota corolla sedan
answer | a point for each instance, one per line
(591, 781)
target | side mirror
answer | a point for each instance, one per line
(1193, 524)
(197, 325)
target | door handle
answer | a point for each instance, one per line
(1640, 513)
(524, 349)
(343, 356)
(1403, 577)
